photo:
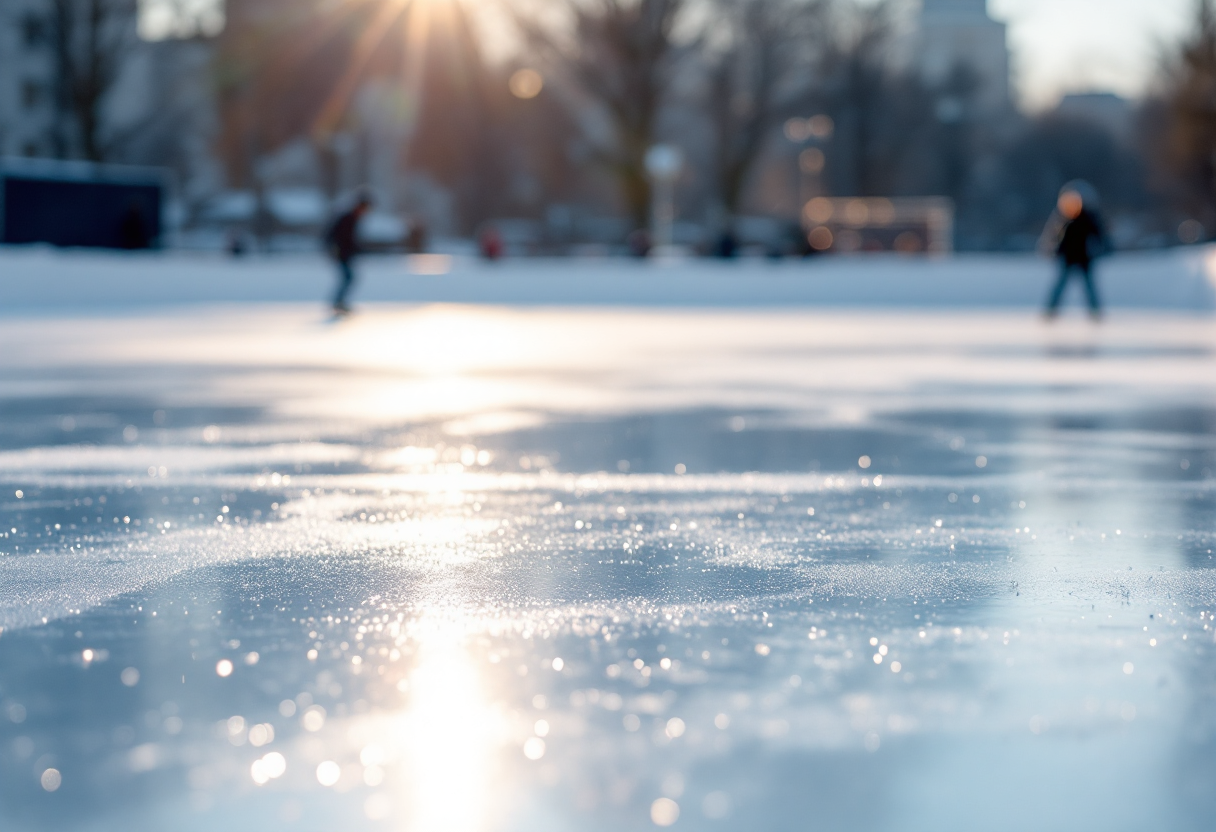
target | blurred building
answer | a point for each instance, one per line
(78, 82)
(959, 35)
(62, 66)
(27, 79)
(1105, 109)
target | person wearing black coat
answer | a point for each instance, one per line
(342, 243)
(1077, 234)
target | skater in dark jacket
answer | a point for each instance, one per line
(342, 243)
(1076, 234)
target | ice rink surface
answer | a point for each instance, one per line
(494, 569)
(41, 281)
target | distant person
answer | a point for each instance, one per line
(1076, 234)
(236, 244)
(416, 239)
(727, 245)
(133, 231)
(490, 243)
(342, 243)
(639, 243)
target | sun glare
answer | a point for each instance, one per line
(448, 733)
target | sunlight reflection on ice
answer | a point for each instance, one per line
(731, 570)
(447, 736)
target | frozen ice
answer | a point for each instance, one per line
(43, 280)
(486, 568)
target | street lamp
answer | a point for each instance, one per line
(811, 159)
(663, 164)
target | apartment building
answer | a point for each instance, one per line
(960, 33)
(28, 115)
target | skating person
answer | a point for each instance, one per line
(342, 243)
(1077, 235)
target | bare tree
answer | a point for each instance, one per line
(1182, 135)
(755, 81)
(91, 41)
(856, 86)
(619, 56)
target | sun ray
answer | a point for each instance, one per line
(304, 44)
(335, 106)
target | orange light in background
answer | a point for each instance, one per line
(882, 211)
(820, 238)
(857, 212)
(909, 242)
(820, 127)
(819, 210)
(796, 130)
(815, 127)
(429, 264)
(812, 160)
(526, 83)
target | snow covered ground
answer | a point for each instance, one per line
(32, 279)
(611, 560)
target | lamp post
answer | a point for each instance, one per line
(663, 164)
(808, 134)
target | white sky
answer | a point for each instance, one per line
(1082, 45)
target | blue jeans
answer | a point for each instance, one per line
(346, 279)
(1087, 277)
